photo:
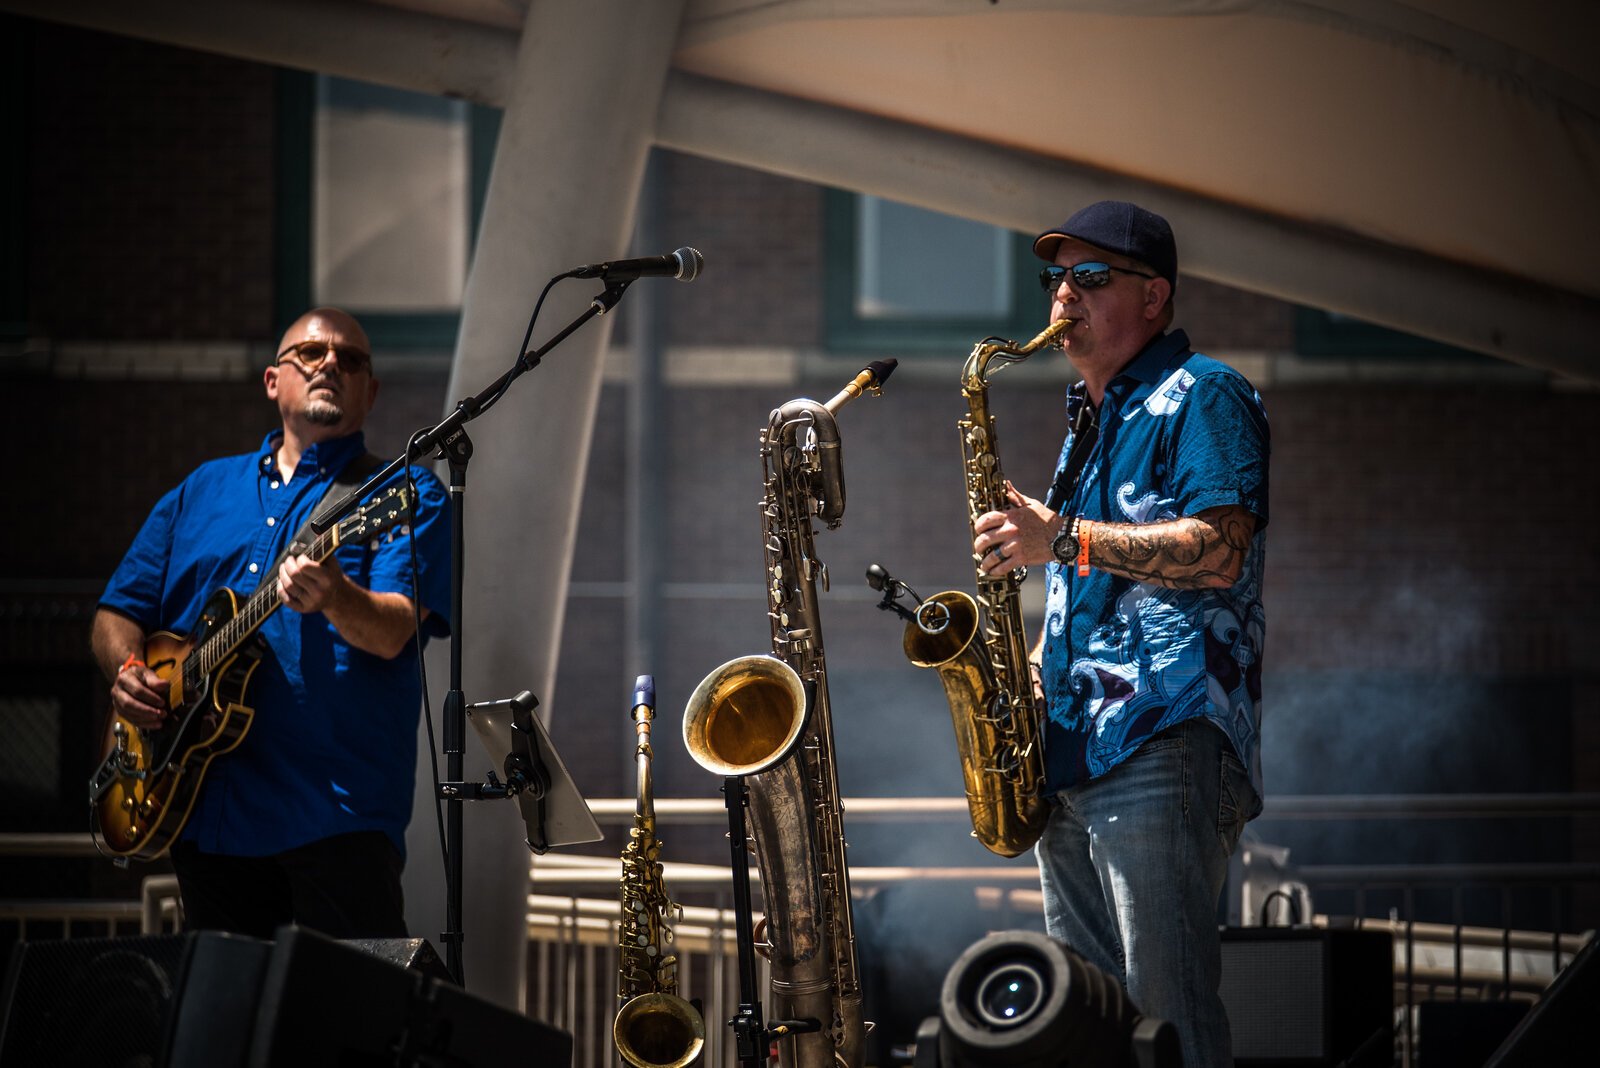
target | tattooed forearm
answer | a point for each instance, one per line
(1195, 552)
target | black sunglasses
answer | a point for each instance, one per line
(1084, 275)
(311, 354)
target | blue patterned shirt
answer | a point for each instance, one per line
(333, 745)
(1179, 433)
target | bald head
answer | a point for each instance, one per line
(326, 324)
(322, 380)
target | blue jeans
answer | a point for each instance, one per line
(1132, 864)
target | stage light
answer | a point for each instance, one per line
(1020, 999)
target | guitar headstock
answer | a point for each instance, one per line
(390, 509)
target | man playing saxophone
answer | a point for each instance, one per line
(1149, 661)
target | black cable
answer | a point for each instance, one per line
(1294, 906)
(422, 666)
(523, 348)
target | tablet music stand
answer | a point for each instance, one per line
(553, 811)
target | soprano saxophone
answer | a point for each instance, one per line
(980, 648)
(654, 1028)
(750, 718)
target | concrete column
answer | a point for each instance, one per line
(578, 124)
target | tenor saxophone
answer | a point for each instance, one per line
(767, 717)
(980, 648)
(654, 1027)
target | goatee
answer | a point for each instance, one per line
(323, 413)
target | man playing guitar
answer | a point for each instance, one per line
(302, 819)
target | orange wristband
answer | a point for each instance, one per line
(1083, 547)
(132, 661)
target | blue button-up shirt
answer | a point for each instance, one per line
(1179, 433)
(332, 747)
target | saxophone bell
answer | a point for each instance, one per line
(943, 640)
(745, 717)
(659, 1030)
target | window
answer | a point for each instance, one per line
(389, 199)
(380, 191)
(903, 277)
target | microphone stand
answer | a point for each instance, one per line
(450, 439)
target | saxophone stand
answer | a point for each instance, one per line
(529, 777)
(752, 1039)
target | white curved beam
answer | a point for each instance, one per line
(1295, 261)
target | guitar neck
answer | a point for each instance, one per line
(226, 639)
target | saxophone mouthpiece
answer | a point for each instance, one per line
(870, 380)
(644, 691)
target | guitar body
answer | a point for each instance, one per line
(149, 779)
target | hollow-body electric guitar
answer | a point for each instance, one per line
(145, 786)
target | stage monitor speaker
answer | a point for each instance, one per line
(327, 1004)
(417, 954)
(1306, 996)
(120, 1001)
(213, 1000)
(1560, 1028)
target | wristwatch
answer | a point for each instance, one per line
(1065, 545)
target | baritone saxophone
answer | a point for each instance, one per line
(767, 718)
(979, 647)
(654, 1027)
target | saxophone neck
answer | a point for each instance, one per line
(811, 426)
(644, 698)
(975, 373)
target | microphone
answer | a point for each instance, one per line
(882, 581)
(684, 265)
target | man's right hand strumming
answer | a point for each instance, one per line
(138, 694)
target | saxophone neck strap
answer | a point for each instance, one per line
(1085, 421)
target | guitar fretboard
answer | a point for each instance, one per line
(375, 518)
(227, 638)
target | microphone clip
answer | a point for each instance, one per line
(892, 588)
(608, 299)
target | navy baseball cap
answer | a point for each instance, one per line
(1120, 227)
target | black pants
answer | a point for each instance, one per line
(347, 886)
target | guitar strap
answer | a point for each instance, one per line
(354, 474)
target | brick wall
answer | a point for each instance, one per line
(150, 190)
(762, 238)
